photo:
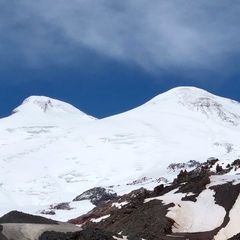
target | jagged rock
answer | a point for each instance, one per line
(136, 219)
(157, 190)
(145, 220)
(47, 212)
(195, 182)
(107, 208)
(189, 164)
(219, 168)
(140, 219)
(236, 164)
(97, 195)
(182, 177)
(139, 181)
(61, 206)
(138, 195)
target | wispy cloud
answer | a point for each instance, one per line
(155, 34)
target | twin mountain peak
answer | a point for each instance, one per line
(187, 101)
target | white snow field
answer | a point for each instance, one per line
(202, 215)
(51, 152)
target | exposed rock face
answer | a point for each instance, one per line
(97, 195)
(194, 181)
(131, 216)
(109, 207)
(142, 214)
(62, 206)
(189, 164)
(138, 218)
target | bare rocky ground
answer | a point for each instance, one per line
(147, 220)
(128, 215)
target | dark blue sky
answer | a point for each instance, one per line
(108, 57)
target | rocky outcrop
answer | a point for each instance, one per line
(111, 206)
(180, 166)
(145, 220)
(20, 217)
(192, 182)
(97, 195)
(61, 206)
(130, 216)
(141, 215)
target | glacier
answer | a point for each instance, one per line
(51, 152)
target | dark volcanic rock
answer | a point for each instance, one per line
(47, 212)
(190, 164)
(136, 197)
(87, 234)
(225, 196)
(235, 237)
(61, 206)
(97, 195)
(139, 219)
(236, 162)
(92, 234)
(51, 235)
(157, 190)
(192, 182)
(20, 217)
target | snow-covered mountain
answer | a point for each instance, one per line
(51, 152)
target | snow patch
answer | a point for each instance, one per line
(96, 220)
(191, 216)
(120, 205)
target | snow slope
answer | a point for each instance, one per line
(51, 152)
(200, 216)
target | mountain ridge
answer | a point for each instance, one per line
(186, 95)
(51, 152)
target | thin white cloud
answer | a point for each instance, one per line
(155, 34)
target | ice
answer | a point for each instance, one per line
(51, 152)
